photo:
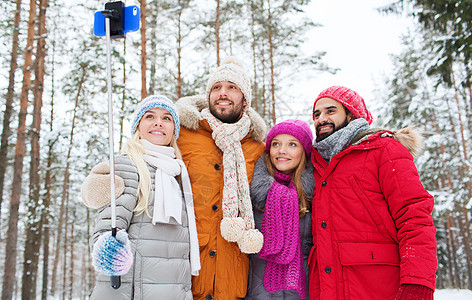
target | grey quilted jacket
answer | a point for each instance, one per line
(261, 183)
(161, 268)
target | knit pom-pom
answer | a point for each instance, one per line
(112, 256)
(232, 60)
(232, 228)
(251, 241)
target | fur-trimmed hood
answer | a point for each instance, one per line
(262, 182)
(189, 109)
(410, 137)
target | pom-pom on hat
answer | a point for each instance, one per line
(232, 70)
(157, 101)
(350, 99)
(296, 128)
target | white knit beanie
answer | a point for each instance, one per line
(232, 70)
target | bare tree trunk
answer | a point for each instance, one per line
(463, 139)
(465, 239)
(143, 50)
(65, 184)
(179, 56)
(83, 277)
(466, 232)
(452, 245)
(264, 74)
(447, 232)
(90, 270)
(64, 254)
(468, 87)
(72, 265)
(45, 215)
(271, 51)
(33, 226)
(9, 100)
(254, 54)
(153, 13)
(12, 233)
(264, 88)
(443, 151)
(217, 32)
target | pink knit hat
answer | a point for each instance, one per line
(296, 128)
(350, 99)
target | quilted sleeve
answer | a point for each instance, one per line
(125, 203)
(410, 206)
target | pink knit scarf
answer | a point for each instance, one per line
(282, 246)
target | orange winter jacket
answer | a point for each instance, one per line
(224, 270)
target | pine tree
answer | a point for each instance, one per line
(6, 132)
(34, 226)
(12, 233)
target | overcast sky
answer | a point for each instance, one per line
(358, 40)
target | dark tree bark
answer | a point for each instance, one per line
(12, 233)
(33, 224)
(179, 55)
(217, 32)
(143, 50)
(271, 52)
(9, 100)
(45, 215)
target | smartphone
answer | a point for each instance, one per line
(130, 22)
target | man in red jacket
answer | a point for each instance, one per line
(373, 233)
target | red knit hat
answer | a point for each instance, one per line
(347, 97)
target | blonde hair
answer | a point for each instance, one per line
(304, 202)
(135, 151)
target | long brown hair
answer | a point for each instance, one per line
(304, 202)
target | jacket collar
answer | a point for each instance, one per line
(410, 137)
(189, 109)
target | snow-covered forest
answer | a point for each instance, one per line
(54, 103)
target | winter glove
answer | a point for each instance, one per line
(414, 292)
(112, 256)
(96, 187)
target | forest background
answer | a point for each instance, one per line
(54, 124)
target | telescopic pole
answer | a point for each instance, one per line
(114, 280)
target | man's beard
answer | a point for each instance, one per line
(232, 116)
(320, 137)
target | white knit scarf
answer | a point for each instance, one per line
(168, 196)
(237, 224)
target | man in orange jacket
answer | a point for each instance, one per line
(221, 140)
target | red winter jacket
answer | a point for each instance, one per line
(372, 224)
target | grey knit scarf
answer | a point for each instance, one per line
(340, 139)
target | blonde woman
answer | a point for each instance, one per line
(156, 247)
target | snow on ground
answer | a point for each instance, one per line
(450, 294)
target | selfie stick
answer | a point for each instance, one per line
(115, 11)
(114, 280)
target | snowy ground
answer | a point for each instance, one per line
(438, 295)
(453, 295)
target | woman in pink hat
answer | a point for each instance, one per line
(281, 193)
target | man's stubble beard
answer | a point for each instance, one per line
(322, 137)
(231, 117)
